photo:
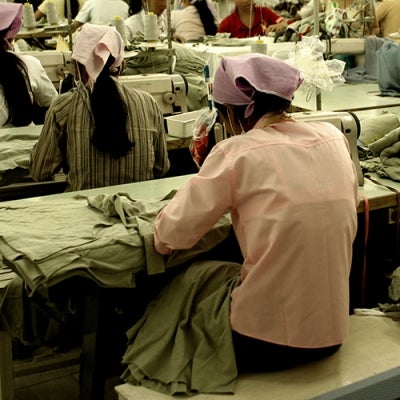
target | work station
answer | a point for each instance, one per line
(171, 267)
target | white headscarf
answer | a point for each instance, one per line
(94, 44)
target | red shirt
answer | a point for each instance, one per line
(263, 17)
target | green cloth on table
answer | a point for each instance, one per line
(106, 238)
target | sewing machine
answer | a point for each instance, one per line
(168, 90)
(56, 63)
(345, 121)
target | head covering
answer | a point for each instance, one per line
(93, 46)
(238, 77)
(11, 18)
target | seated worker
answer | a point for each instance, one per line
(134, 24)
(248, 20)
(61, 9)
(188, 63)
(388, 16)
(291, 190)
(25, 89)
(100, 12)
(101, 133)
(195, 20)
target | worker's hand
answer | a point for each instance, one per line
(281, 26)
(376, 31)
(178, 39)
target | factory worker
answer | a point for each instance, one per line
(196, 19)
(134, 24)
(101, 133)
(60, 8)
(291, 190)
(25, 89)
(100, 12)
(188, 63)
(248, 19)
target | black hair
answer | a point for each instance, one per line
(16, 85)
(265, 102)
(206, 17)
(110, 115)
(135, 6)
(74, 8)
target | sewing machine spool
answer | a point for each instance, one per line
(51, 13)
(28, 17)
(151, 31)
(259, 47)
(119, 24)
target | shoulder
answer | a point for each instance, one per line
(136, 95)
(32, 63)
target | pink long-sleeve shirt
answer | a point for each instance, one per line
(292, 193)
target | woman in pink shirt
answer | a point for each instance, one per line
(291, 190)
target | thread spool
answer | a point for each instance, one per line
(119, 24)
(51, 13)
(28, 17)
(259, 47)
(151, 31)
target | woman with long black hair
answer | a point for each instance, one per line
(196, 19)
(101, 133)
(25, 89)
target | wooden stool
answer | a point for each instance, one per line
(373, 347)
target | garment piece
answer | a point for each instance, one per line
(43, 89)
(263, 17)
(187, 24)
(388, 16)
(372, 129)
(388, 63)
(387, 149)
(101, 12)
(368, 71)
(194, 342)
(107, 238)
(65, 143)
(292, 193)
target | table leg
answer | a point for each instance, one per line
(6, 367)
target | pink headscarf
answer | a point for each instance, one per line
(11, 18)
(93, 46)
(238, 77)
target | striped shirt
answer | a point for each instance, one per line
(65, 143)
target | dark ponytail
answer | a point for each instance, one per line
(206, 17)
(110, 115)
(74, 8)
(16, 86)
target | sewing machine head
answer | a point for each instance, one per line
(345, 121)
(56, 63)
(168, 90)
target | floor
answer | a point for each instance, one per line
(50, 375)
(45, 373)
